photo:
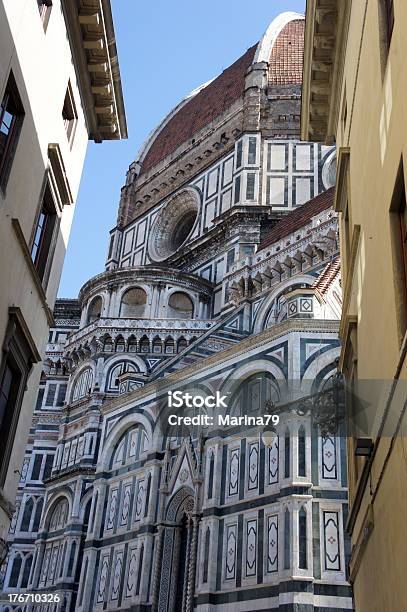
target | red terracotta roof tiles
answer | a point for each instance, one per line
(287, 55)
(203, 108)
(327, 276)
(298, 218)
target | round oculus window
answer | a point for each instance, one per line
(174, 225)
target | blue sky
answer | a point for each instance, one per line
(166, 49)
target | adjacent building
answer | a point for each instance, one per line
(59, 86)
(222, 275)
(355, 79)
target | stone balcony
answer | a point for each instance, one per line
(117, 333)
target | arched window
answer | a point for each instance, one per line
(61, 568)
(302, 539)
(37, 516)
(169, 345)
(95, 505)
(120, 345)
(71, 558)
(180, 306)
(26, 572)
(83, 384)
(181, 344)
(15, 571)
(157, 345)
(206, 556)
(59, 516)
(287, 537)
(132, 344)
(210, 475)
(108, 345)
(147, 495)
(144, 345)
(133, 304)
(129, 447)
(83, 582)
(301, 452)
(26, 520)
(253, 393)
(287, 454)
(95, 309)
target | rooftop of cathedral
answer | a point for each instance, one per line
(282, 47)
(298, 218)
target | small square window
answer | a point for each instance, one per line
(69, 114)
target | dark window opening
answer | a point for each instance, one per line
(389, 8)
(237, 190)
(19, 355)
(25, 521)
(15, 572)
(302, 535)
(252, 150)
(239, 152)
(44, 233)
(287, 455)
(287, 536)
(301, 453)
(69, 114)
(251, 181)
(36, 471)
(48, 466)
(11, 119)
(206, 556)
(398, 212)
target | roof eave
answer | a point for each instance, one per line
(325, 34)
(91, 34)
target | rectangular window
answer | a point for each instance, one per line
(252, 150)
(48, 466)
(36, 471)
(239, 152)
(44, 232)
(40, 397)
(51, 395)
(11, 119)
(237, 190)
(61, 395)
(230, 259)
(398, 220)
(251, 181)
(69, 114)
(19, 353)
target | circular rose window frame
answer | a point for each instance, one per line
(167, 223)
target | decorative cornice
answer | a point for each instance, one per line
(92, 39)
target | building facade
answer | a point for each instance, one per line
(222, 280)
(52, 102)
(353, 94)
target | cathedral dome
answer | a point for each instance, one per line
(282, 47)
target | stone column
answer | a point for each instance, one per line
(192, 566)
(157, 569)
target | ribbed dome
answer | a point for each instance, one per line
(282, 46)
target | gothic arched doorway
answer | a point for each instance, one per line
(178, 559)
